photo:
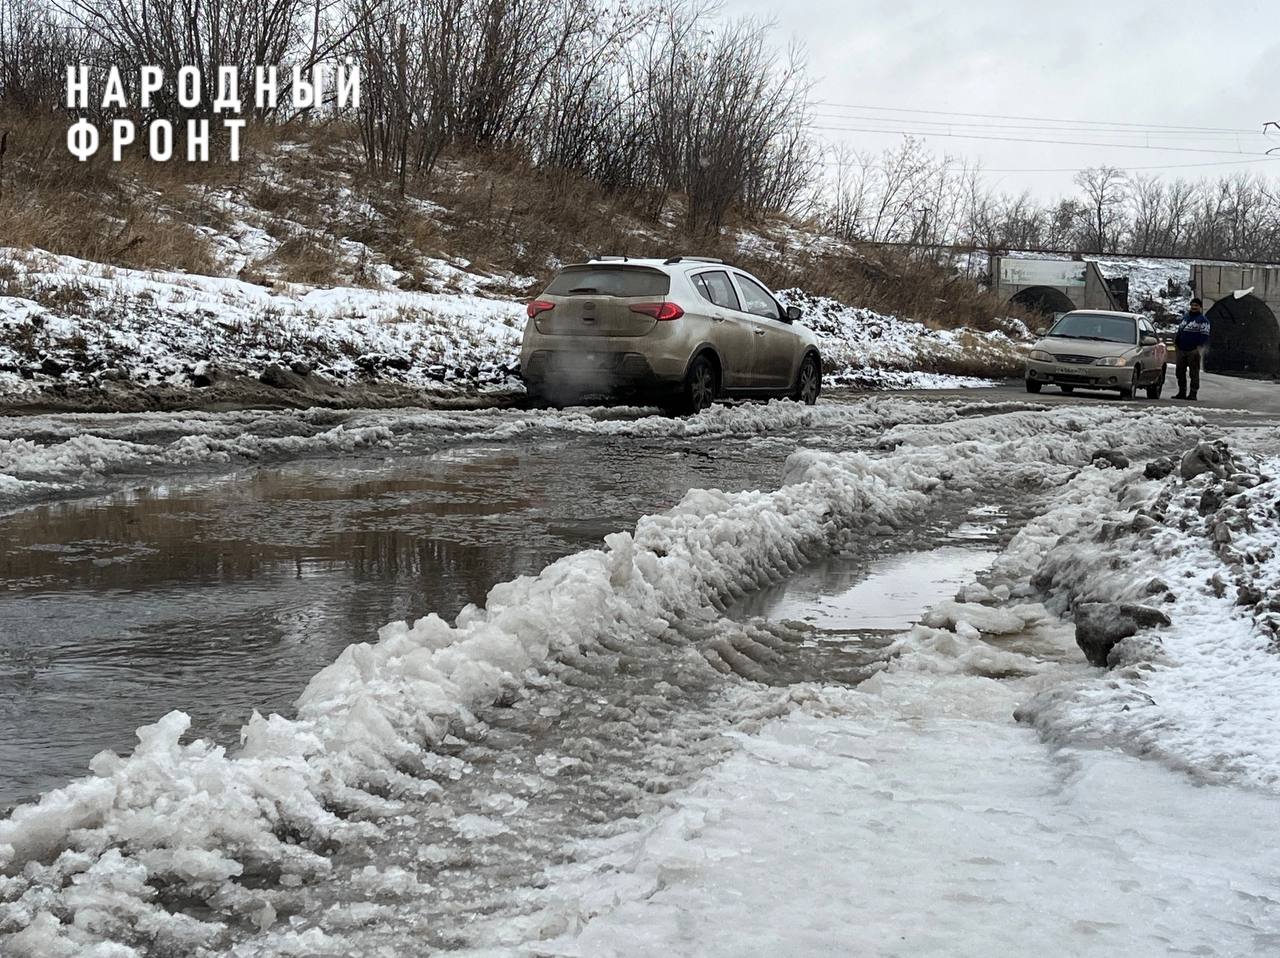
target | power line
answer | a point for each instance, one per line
(1014, 139)
(1077, 169)
(952, 124)
(1033, 119)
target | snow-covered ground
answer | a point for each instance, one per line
(912, 817)
(74, 324)
(909, 815)
(101, 323)
(870, 350)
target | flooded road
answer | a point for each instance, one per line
(225, 592)
(583, 703)
(226, 595)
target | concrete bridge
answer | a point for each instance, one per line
(1055, 286)
(1242, 303)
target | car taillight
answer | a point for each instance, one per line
(659, 311)
(538, 306)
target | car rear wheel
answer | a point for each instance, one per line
(809, 381)
(1033, 386)
(700, 387)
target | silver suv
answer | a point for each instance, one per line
(681, 331)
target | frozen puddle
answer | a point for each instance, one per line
(838, 596)
(912, 817)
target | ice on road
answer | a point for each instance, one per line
(913, 817)
(714, 812)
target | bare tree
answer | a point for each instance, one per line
(206, 34)
(1105, 189)
(36, 44)
(726, 118)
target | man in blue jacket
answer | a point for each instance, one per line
(1191, 339)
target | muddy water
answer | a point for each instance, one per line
(838, 597)
(227, 595)
(850, 605)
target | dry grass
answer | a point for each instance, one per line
(305, 259)
(307, 188)
(893, 282)
(123, 214)
(504, 214)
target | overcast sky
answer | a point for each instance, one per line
(1134, 63)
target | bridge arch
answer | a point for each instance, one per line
(1244, 337)
(1043, 299)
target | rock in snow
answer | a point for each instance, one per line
(1212, 457)
(1100, 625)
(278, 377)
(1110, 457)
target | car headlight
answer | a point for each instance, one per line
(1040, 356)
(1111, 361)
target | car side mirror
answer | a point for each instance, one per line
(1150, 341)
(792, 313)
(1042, 331)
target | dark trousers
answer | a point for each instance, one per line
(1189, 359)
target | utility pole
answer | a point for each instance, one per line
(923, 227)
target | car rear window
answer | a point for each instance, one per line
(610, 281)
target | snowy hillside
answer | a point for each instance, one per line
(77, 323)
(1161, 288)
(72, 329)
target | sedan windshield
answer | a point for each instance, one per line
(1097, 326)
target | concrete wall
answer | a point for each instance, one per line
(1212, 283)
(1244, 333)
(1079, 281)
(1097, 294)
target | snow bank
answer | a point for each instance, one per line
(153, 328)
(1203, 695)
(870, 350)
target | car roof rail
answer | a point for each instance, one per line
(692, 259)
